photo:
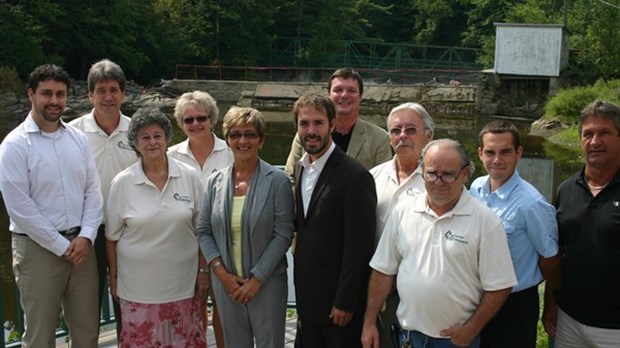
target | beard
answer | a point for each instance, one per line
(51, 116)
(314, 149)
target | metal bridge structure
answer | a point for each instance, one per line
(313, 60)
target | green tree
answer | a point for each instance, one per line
(436, 21)
(20, 38)
(595, 37)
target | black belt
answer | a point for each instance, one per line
(71, 231)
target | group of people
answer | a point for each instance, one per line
(389, 247)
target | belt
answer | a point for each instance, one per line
(66, 233)
(71, 231)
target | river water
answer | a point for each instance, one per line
(280, 132)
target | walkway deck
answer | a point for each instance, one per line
(107, 338)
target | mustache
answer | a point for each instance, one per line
(312, 137)
(403, 143)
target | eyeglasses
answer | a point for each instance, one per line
(249, 135)
(190, 120)
(410, 131)
(447, 178)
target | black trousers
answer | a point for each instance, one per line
(515, 323)
(102, 271)
(319, 335)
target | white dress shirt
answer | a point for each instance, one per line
(311, 174)
(50, 183)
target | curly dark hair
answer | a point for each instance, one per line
(145, 117)
(47, 72)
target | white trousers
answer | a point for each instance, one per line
(572, 334)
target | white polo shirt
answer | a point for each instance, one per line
(390, 193)
(157, 249)
(444, 264)
(220, 158)
(112, 152)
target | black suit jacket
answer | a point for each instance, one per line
(335, 240)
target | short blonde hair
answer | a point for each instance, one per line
(238, 116)
(199, 100)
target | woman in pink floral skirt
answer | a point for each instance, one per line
(155, 267)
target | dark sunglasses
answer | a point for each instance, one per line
(190, 120)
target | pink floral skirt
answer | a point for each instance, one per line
(176, 324)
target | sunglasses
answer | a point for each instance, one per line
(190, 120)
(410, 131)
(249, 135)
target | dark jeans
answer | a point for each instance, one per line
(417, 339)
(515, 323)
(102, 271)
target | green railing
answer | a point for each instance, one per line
(299, 52)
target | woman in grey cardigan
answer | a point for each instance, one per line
(245, 229)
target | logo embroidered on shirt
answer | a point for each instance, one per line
(616, 203)
(455, 237)
(179, 197)
(124, 146)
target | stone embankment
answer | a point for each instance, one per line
(378, 99)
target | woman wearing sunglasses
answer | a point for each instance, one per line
(245, 229)
(196, 114)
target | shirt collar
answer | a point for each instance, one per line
(140, 176)
(30, 126)
(504, 191)
(218, 145)
(320, 162)
(462, 207)
(90, 124)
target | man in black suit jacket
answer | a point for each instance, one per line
(336, 202)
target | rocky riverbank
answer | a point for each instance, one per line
(13, 106)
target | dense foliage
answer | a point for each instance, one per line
(148, 38)
(568, 103)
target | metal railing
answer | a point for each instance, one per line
(62, 331)
(305, 74)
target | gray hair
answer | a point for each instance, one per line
(199, 100)
(429, 124)
(603, 109)
(450, 144)
(144, 117)
(106, 69)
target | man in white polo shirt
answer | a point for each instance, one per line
(451, 256)
(410, 128)
(106, 128)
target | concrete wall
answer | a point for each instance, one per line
(539, 173)
(377, 98)
(511, 95)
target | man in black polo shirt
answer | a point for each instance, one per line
(588, 214)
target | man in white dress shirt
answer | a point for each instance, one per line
(52, 193)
